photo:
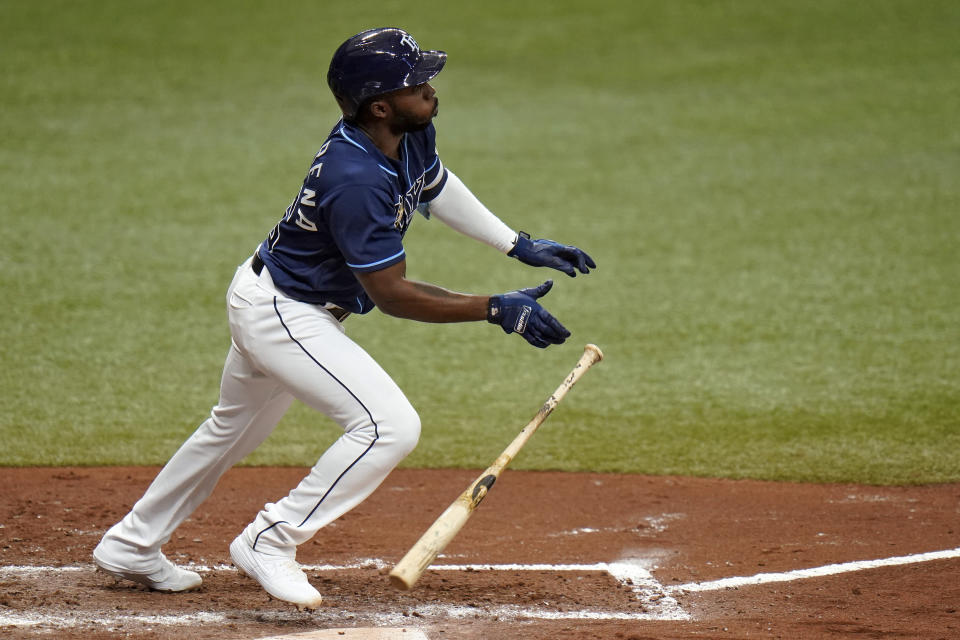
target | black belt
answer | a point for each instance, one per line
(337, 312)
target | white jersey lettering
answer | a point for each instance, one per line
(304, 223)
(308, 197)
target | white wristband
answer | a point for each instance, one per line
(459, 209)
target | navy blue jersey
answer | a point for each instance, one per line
(350, 215)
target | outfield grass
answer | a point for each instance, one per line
(771, 190)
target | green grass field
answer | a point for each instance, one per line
(771, 190)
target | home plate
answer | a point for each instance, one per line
(362, 633)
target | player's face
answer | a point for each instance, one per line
(413, 107)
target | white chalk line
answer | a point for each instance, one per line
(657, 599)
(657, 604)
(815, 572)
(84, 619)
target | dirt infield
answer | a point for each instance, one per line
(548, 555)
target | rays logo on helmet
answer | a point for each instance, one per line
(408, 40)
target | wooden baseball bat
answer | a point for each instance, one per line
(406, 573)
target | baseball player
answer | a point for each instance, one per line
(337, 250)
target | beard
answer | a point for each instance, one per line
(408, 123)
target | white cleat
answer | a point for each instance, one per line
(280, 576)
(166, 577)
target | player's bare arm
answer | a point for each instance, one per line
(515, 312)
(397, 296)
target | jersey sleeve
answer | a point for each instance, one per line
(362, 222)
(436, 175)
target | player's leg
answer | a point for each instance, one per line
(249, 408)
(326, 370)
(337, 377)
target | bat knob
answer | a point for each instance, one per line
(595, 350)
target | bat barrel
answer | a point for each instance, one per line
(406, 572)
(402, 581)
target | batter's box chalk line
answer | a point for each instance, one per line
(355, 633)
(815, 572)
(658, 601)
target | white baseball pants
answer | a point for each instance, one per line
(281, 349)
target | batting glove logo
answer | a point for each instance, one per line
(521, 325)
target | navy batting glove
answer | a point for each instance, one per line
(519, 312)
(547, 253)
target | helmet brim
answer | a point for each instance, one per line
(431, 63)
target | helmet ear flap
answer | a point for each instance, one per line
(349, 111)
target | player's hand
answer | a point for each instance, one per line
(519, 312)
(547, 253)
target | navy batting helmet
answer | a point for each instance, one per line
(378, 61)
